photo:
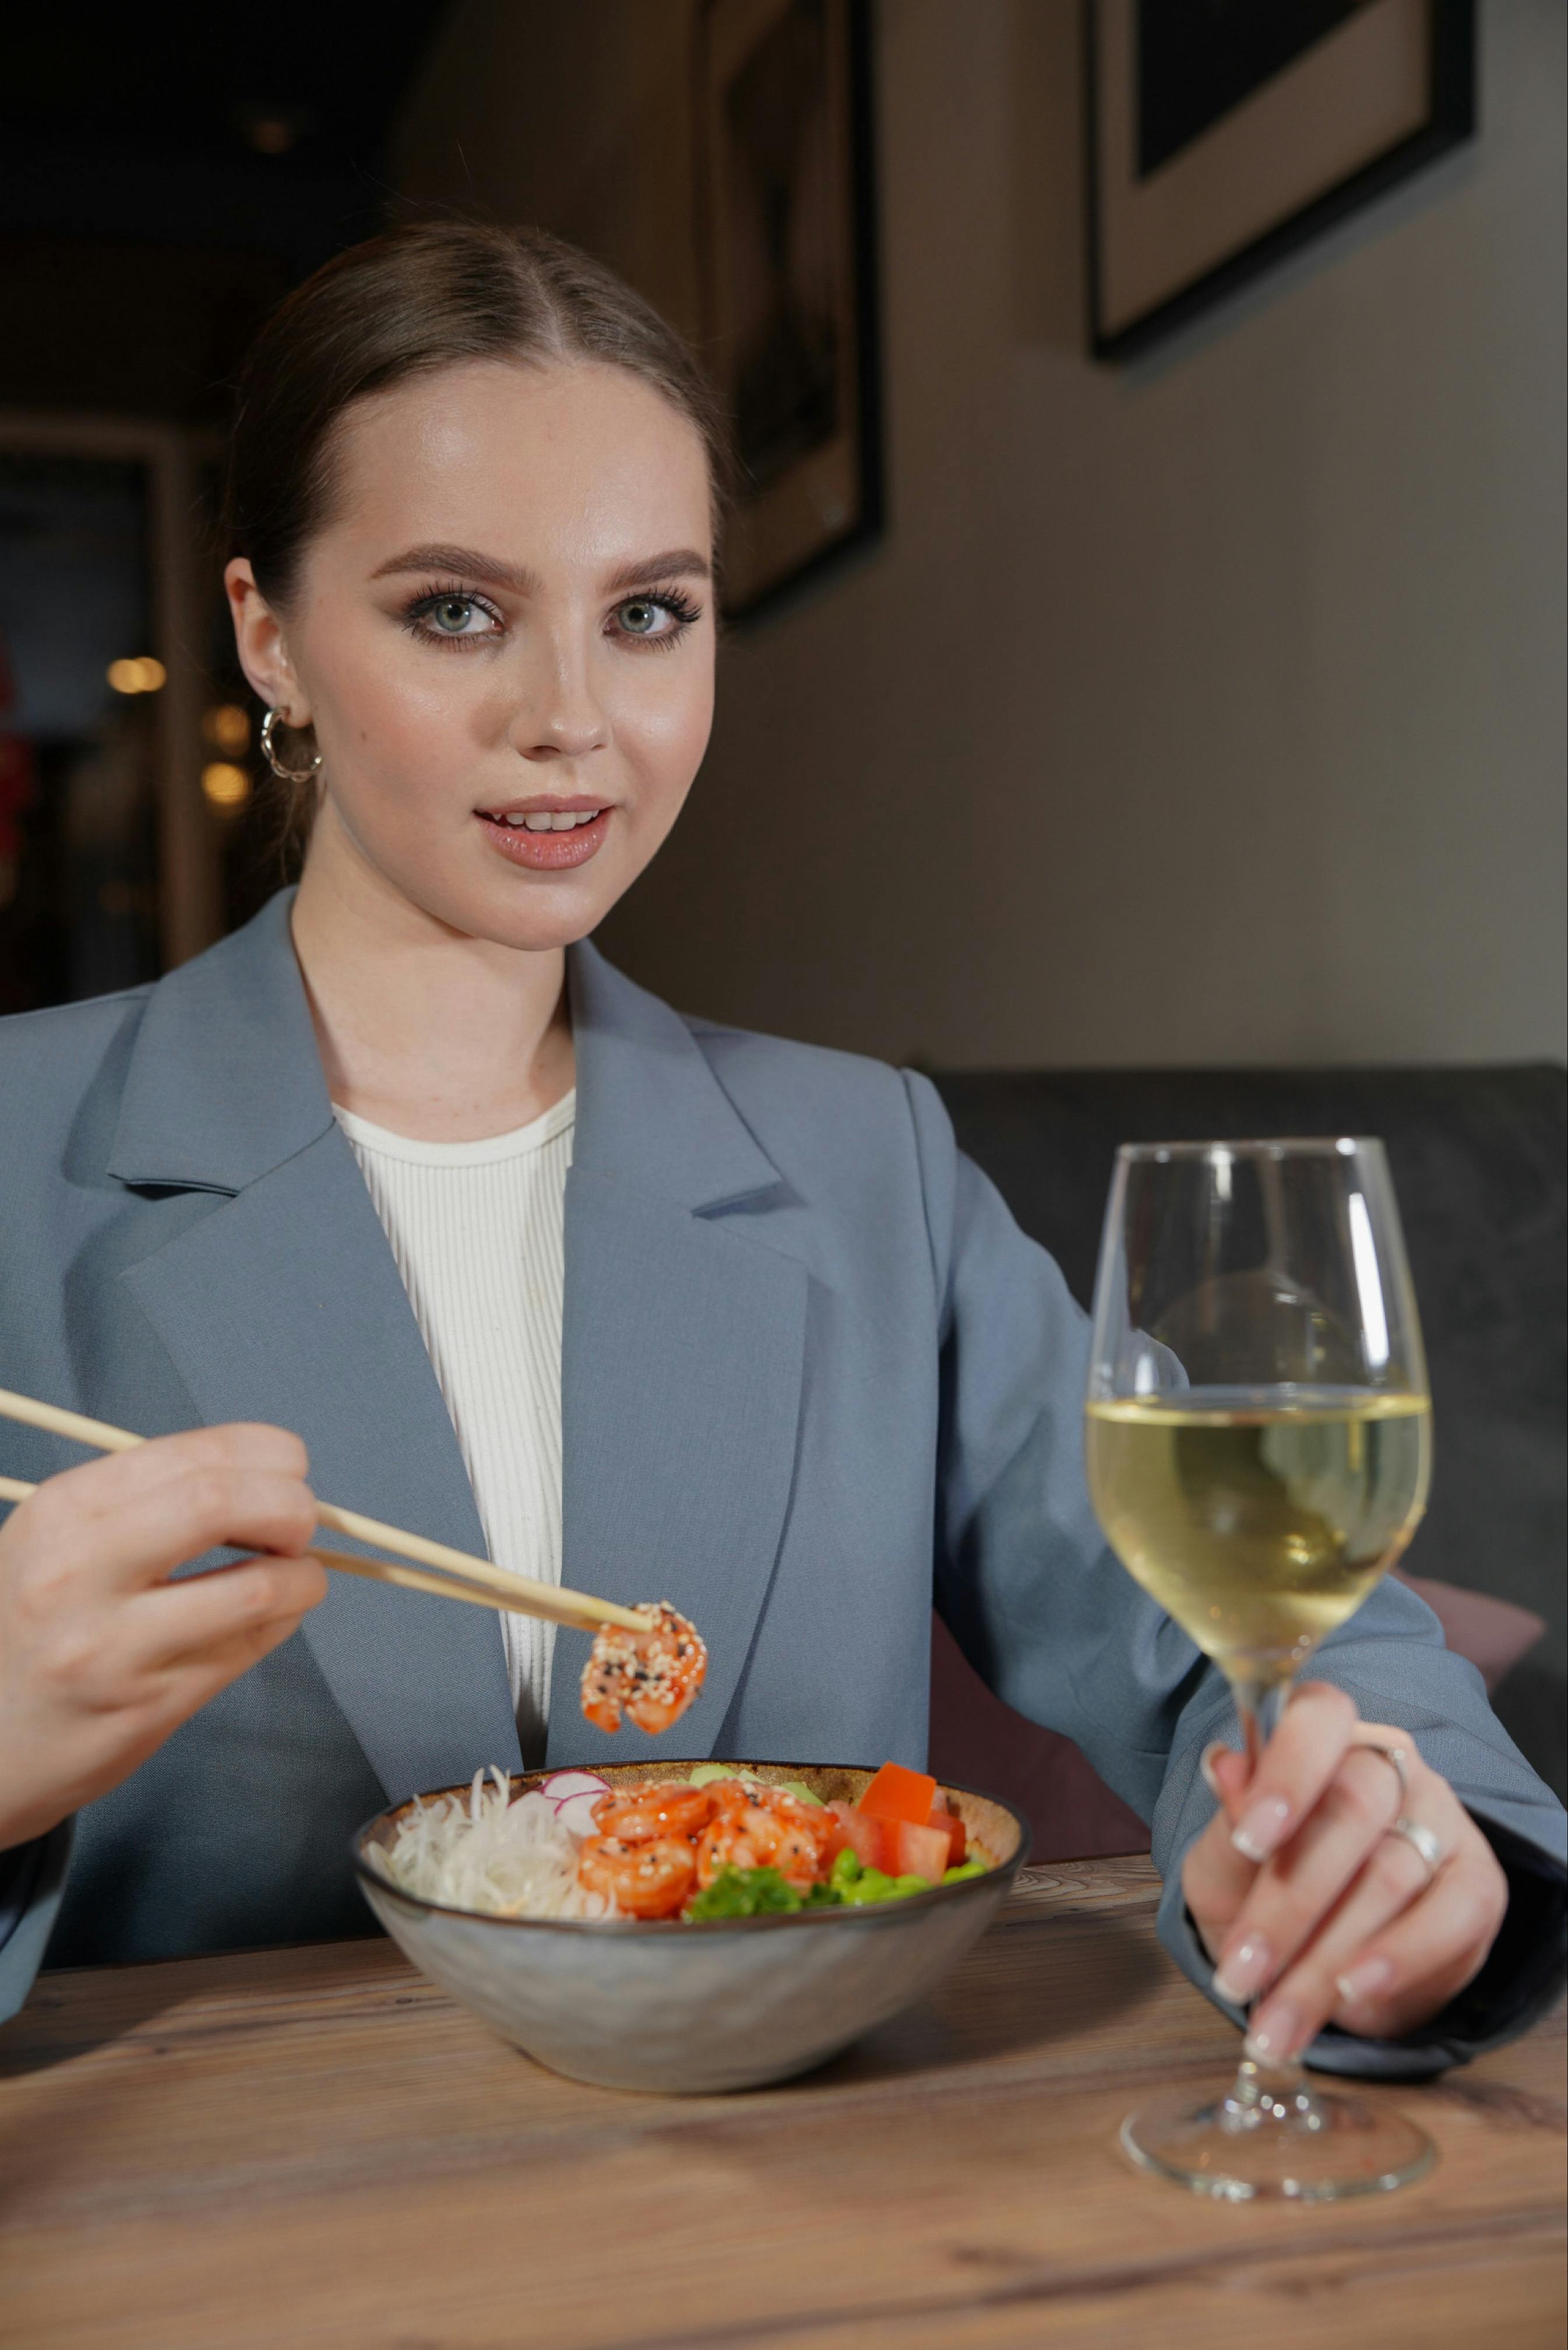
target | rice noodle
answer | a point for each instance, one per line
(487, 1853)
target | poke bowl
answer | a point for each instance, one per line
(691, 2004)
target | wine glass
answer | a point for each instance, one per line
(1258, 1439)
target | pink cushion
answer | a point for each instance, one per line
(978, 1741)
(1493, 1633)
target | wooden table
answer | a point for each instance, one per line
(314, 2146)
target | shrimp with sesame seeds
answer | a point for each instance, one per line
(635, 1855)
(651, 1676)
(643, 1880)
(646, 1815)
(764, 1827)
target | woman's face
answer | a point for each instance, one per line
(504, 641)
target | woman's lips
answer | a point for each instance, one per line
(547, 852)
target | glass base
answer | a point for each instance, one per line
(1271, 2136)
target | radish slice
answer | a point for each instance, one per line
(561, 1784)
(575, 1794)
(575, 1812)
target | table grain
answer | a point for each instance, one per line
(315, 2146)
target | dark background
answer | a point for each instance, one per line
(169, 173)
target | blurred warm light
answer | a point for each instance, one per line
(226, 727)
(142, 675)
(227, 787)
(271, 128)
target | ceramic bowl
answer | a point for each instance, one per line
(689, 2010)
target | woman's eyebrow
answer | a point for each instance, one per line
(488, 567)
(675, 563)
(679, 562)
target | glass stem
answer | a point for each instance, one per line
(1260, 1705)
(1265, 2094)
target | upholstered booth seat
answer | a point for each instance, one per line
(1478, 1161)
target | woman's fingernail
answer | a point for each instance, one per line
(1206, 1764)
(1273, 2037)
(1363, 1981)
(1261, 1829)
(1242, 1972)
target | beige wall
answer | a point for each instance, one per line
(1211, 711)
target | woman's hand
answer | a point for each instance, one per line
(101, 1656)
(1315, 1911)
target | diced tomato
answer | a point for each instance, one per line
(919, 1852)
(868, 1837)
(951, 1827)
(896, 1793)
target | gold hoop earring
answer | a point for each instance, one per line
(270, 724)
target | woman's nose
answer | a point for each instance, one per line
(559, 715)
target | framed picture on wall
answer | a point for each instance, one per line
(786, 249)
(1223, 134)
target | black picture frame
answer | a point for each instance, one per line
(805, 515)
(1448, 119)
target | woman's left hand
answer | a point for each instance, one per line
(1317, 1912)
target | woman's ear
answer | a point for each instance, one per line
(262, 645)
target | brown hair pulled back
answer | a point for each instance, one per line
(432, 295)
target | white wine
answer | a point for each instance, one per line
(1258, 1505)
(1258, 1527)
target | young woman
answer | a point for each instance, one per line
(525, 1259)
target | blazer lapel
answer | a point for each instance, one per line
(284, 1304)
(683, 1355)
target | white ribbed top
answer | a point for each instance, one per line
(478, 1233)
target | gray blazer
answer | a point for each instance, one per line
(813, 1376)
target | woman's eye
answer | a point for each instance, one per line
(457, 616)
(640, 617)
(658, 619)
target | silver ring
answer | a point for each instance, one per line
(1397, 1755)
(1414, 1832)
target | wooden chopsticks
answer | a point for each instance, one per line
(372, 1570)
(461, 1576)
